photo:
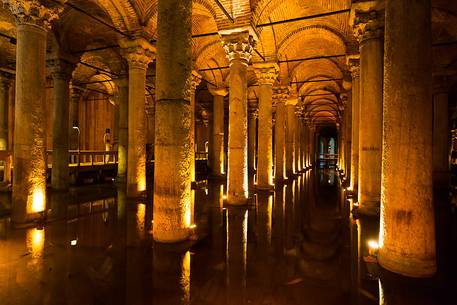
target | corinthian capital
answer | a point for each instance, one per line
(266, 72)
(33, 12)
(368, 24)
(138, 52)
(196, 80)
(238, 45)
(280, 94)
(353, 63)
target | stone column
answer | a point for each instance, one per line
(407, 233)
(122, 83)
(216, 148)
(196, 79)
(138, 53)
(252, 135)
(173, 151)
(441, 134)
(348, 141)
(354, 67)
(61, 74)
(238, 47)
(312, 147)
(290, 137)
(266, 76)
(297, 141)
(368, 28)
(29, 180)
(5, 83)
(280, 97)
(150, 123)
(75, 97)
(306, 144)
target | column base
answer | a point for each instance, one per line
(407, 266)
(265, 187)
(367, 209)
(175, 236)
(237, 200)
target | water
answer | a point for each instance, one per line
(297, 245)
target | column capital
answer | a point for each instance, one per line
(253, 109)
(60, 68)
(138, 52)
(196, 80)
(367, 20)
(33, 12)
(266, 72)
(217, 91)
(238, 45)
(76, 92)
(353, 63)
(280, 94)
(344, 99)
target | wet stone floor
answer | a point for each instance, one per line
(296, 245)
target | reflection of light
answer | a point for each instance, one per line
(192, 226)
(373, 247)
(35, 241)
(140, 216)
(187, 216)
(269, 215)
(141, 183)
(221, 196)
(206, 191)
(38, 201)
(224, 197)
(185, 277)
(74, 242)
(245, 238)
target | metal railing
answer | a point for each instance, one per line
(328, 156)
(86, 157)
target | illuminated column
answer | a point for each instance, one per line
(196, 79)
(5, 83)
(312, 143)
(29, 180)
(252, 133)
(216, 148)
(290, 136)
(306, 145)
(280, 97)
(122, 151)
(297, 141)
(173, 151)
(61, 74)
(346, 99)
(238, 47)
(138, 53)
(266, 76)
(441, 134)
(368, 28)
(407, 233)
(150, 122)
(354, 67)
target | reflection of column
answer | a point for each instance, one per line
(237, 235)
(280, 133)
(407, 234)
(238, 47)
(216, 148)
(354, 67)
(173, 151)
(29, 180)
(138, 53)
(5, 82)
(252, 135)
(123, 88)
(266, 75)
(368, 29)
(290, 136)
(61, 74)
(196, 79)
(441, 136)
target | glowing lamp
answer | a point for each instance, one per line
(373, 247)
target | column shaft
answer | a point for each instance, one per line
(441, 140)
(29, 179)
(217, 150)
(173, 151)
(280, 141)
(136, 155)
(122, 150)
(290, 139)
(355, 127)
(252, 135)
(370, 131)
(60, 178)
(4, 98)
(297, 144)
(407, 233)
(265, 149)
